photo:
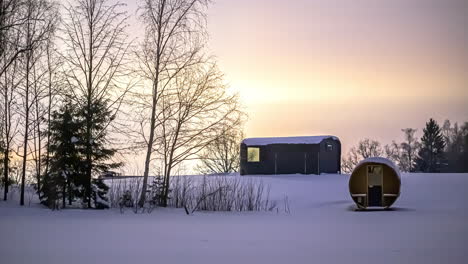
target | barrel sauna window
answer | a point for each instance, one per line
(375, 175)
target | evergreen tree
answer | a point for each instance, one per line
(156, 190)
(96, 153)
(64, 158)
(72, 157)
(455, 147)
(100, 189)
(464, 156)
(431, 154)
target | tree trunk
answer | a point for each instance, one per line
(6, 170)
(49, 109)
(69, 192)
(26, 126)
(38, 145)
(88, 164)
(169, 167)
(64, 189)
(149, 149)
(6, 152)
(88, 108)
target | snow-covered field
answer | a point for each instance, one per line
(429, 224)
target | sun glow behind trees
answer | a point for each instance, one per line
(334, 64)
(343, 65)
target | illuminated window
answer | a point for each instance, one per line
(253, 154)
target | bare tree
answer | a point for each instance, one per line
(95, 56)
(394, 153)
(173, 41)
(194, 110)
(410, 148)
(366, 148)
(44, 88)
(402, 154)
(38, 23)
(447, 132)
(222, 154)
(2, 144)
(12, 18)
(9, 83)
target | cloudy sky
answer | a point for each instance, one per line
(351, 68)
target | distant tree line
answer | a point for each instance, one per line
(440, 149)
(76, 94)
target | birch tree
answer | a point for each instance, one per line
(9, 83)
(193, 111)
(174, 38)
(39, 21)
(410, 148)
(11, 47)
(12, 18)
(95, 55)
(222, 154)
(44, 89)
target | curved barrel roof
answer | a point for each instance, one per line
(379, 160)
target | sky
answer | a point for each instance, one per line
(355, 69)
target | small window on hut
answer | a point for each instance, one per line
(253, 154)
(329, 147)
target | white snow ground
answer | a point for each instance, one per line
(429, 224)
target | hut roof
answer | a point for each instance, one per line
(286, 140)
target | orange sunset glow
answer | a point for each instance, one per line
(349, 68)
(354, 69)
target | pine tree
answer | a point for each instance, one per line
(100, 189)
(72, 157)
(64, 158)
(156, 190)
(464, 156)
(455, 146)
(96, 153)
(431, 154)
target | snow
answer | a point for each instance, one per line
(428, 224)
(286, 140)
(380, 160)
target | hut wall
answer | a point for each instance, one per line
(293, 158)
(282, 159)
(330, 159)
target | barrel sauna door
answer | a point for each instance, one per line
(374, 184)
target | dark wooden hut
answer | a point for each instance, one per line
(290, 155)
